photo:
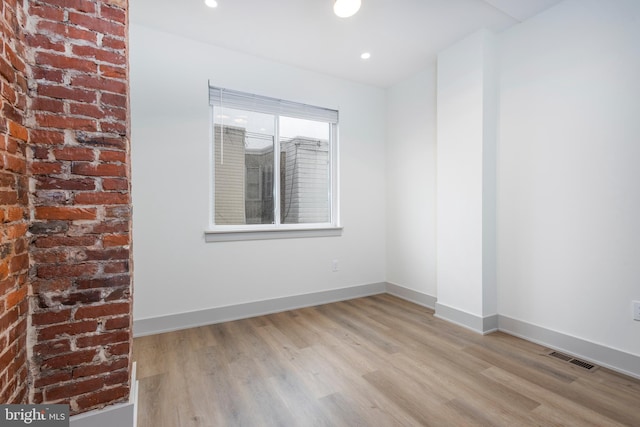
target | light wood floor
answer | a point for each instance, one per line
(375, 361)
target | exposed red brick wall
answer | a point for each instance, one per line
(79, 166)
(14, 257)
(65, 276)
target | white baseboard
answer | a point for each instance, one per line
(174, 322)
(616, 360)
(482, 325)
(121, 415)
(411, 295)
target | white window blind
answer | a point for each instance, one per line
(227, 98)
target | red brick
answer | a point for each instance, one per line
(103, 169)
(49, 256)
(19, 263)
(4, 270)
(115, 113)
(62, 122)
(67, 93)
(113, 156)
(117, 294)
(114, 127)
(96, 24)
(81, 35)
(15, 230)
(8, 92)
(114, 99)
(99, 140)
(113, 14)
(46, 43)
(112, 395)
(46, 182)
(18, 131)
(107, 254)
(8, 197)
(55, 241)
(115, 240)
(102, 310)
(87, 110)
(91, 370)
(7, 71)
(115, 378)
(77, 298)
(103, 84)
(18, 333)
(55, 378)
(47, 12)
(8, 354)
(117, 323)
(111, 184)
(101, 55)
(87, 6)
(15, 297)
(114, 43)
(64, 62)
(74, 153)
(15, 213)
(37, 397)
(45, 168)
(112, 71)
(101, 199)
(8, 318)
(55, 285)
(70, 329)
(116, 268)
(65, 213)
(51, 317)
(15, 60)
(39, 136)
(15, 164)
(52, 348)
(103, 339)
(75, 388)
(66, 270)
(48, 104)
(47, 74)
(107, 282)
(118, 349)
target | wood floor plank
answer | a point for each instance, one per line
(374, 361)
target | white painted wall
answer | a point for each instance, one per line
(568, 177)
(466, 141)
(411, 188)
(175, 270)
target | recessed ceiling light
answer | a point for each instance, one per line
(346, 8)
(365, 55)
(211, 3)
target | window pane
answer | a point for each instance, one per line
(304, 171)
(243, 163)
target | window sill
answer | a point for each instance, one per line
(269, 234)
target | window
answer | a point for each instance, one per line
(274, 168)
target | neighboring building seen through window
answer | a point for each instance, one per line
(273, 162)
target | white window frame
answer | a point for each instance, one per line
(277, 107)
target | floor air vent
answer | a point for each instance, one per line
(572, 360)
(560, 356)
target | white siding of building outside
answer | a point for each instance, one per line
(306, 181)
(229, 176)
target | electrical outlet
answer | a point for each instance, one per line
(636, 310)
(334, 265)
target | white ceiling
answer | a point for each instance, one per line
(403, 36)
